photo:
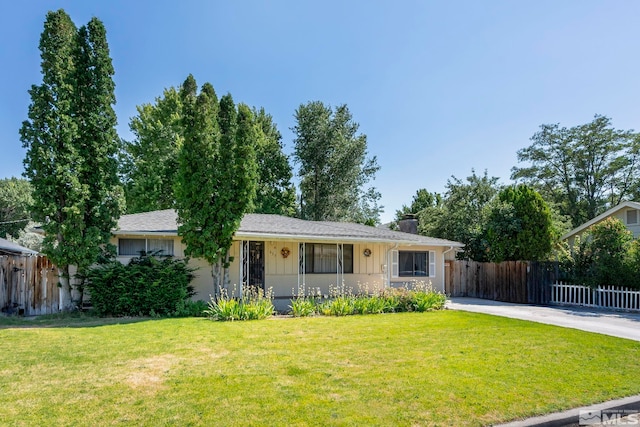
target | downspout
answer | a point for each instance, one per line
(448, 250)
(389, 263)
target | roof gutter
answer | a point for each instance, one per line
(293, 237)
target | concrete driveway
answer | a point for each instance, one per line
(617, 324)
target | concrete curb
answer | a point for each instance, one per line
(570, 417)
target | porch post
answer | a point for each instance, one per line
(301, 267)
(244, 264)
(339, 264)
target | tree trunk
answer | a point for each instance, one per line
(217, 273)
(226, 280)
(66, 303)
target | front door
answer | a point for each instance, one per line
(256, 265)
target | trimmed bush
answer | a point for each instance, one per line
(147, 286)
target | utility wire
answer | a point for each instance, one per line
(17, 220)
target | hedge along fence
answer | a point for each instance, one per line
(28, 285)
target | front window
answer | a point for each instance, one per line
(138, 247)
(413, 264)
(632, 216)
(324, 258)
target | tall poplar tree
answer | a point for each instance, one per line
(216, 178)
(150, 161)
(71, 145)
(334, 168)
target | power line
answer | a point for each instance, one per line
(17, 220)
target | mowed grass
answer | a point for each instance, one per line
(438, 368)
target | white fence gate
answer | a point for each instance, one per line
(613, 297)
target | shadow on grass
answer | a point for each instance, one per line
(68, 320)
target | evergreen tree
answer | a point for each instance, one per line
(71, 145)
(519, 226)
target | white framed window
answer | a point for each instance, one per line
(324, 258)
(138, 247)
(632, 216)
(413, 263)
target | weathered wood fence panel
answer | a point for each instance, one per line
(525, 282)
(28, 285)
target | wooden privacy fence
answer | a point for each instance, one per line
(28, 285)
(526, 282)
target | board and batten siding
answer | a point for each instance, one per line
(437, 279)
(281, 274)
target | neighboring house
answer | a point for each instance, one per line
(9, 248)
(627, 212)
(288, 254)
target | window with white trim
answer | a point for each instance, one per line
(632, 216)
(137, 247)
(322, 258)
(413, 263)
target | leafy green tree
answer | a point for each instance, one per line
(71, 144)
(333, 166)
(275, 194)
(421, 201)
(15, 198)
(151, 160)
(463, 214)
(216, 175)
(519, 226)
(582, 169)
(602, 255)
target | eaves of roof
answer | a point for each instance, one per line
(608, 213)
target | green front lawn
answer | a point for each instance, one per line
(438, 368)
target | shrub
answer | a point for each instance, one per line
(192, 309)
(606, 255)
(146, 286)
(254, 304)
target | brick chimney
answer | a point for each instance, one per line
(409, 224)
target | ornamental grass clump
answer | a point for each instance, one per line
(255, 304)
(302, 307)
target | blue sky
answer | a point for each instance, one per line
(438, 87)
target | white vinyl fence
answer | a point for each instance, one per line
(614, 297)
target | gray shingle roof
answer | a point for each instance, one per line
(265, 226)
